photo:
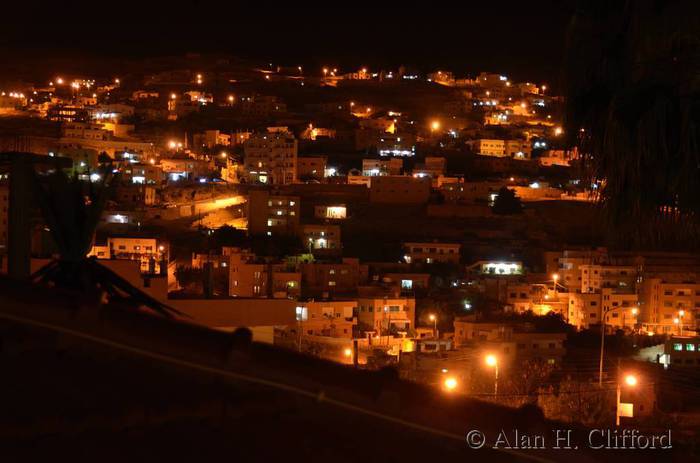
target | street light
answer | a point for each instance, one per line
(433, 318)
(492, 361)
(604, 314)
(347, 352)
(450, 384)
(630, 381)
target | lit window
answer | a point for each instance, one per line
(677, 346)
(690, 347)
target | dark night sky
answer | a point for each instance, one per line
(525, 39)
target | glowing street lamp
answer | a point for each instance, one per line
(347, 352)
(630, 381)
(492, 361)
(433, 318)
(435, 125)
(450, 383)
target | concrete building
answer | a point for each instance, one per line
(329, 278)
(271, 158)
(670, 304)
(311, 167)
(518, 149)
(334, 319)
(510, 342)
(374, 167)
(249, 277)
(595, 277)
(178, 168)
(430, 253)
(488, 147)
(272, 214)
(397, 189)
(682, 352)
(321, 238)
(151, 253)
(384, 315)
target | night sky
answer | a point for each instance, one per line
(523, 39)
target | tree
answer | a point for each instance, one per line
(507, 203)
(633, 101)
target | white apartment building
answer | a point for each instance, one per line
(271, 158)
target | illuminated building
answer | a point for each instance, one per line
(337, 212)
(429, 253)
(271, 158)
(327, 318)
(249, 277)
(272, 214)
(321, 238)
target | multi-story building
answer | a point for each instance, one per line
(430, 253)
(596, 277)
(271, 158)
(272, 214)
(311, 167)
(620, 306)
(508, 341)
(488, 147)
(518, 149)
(249, 277)
(322, 238)
(682, 352)
(328, 278)
(670, 303)
(150, 252)
(373, 167)
(386, 314)
(335, 319)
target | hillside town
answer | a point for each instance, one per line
(438, 225)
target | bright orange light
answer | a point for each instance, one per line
(173, 96)
(59, 81)
(347, 352)
(555, 276)
(635, 311)
(223, 154)
(491, 360)
(450, 383)
(432, 317)
(435, 125)
(558, 131)
(631, 380)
